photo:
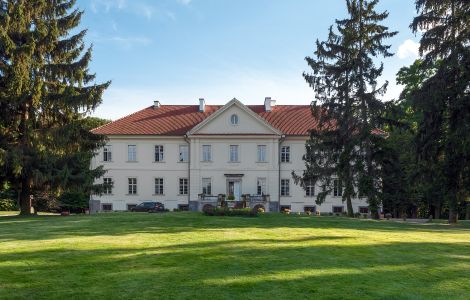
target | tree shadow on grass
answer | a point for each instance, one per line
(119, 224)
(321, 266)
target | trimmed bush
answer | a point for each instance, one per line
(228, 212)
(208, 209)
(7, 205)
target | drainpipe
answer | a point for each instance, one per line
(282, 139)
(189, 167)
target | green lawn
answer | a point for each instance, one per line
(190, 256)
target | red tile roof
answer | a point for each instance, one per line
(176, 120)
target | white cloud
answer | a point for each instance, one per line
(129, 42)
(408, 49)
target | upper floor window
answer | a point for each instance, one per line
(159, 156)
(285, 187)
(261, 186)
(132, 186)
(206, 186)
(285, 154)
(206, 153)
(131, 153)
(234, 119)
(107, 153)
(184, 153)
(310, 188)
(183, 186)
(107, 186)
(233, 153)
(158, 186)
(337, 188)
(261, 153)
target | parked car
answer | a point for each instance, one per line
(149, 206)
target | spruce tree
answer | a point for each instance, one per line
(445, 98)
(46, 90)
(345, 81)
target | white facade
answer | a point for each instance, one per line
(234, 155)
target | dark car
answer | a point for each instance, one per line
(149, 206)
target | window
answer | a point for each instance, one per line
(206, 186)
(261, 186)
(132, 186)
(184, 153)
(233, 153)
(234, 119)
(261, 153)
(337, 188)
(158, 186)
(107, 186)
(131, 153)
(159, 153)
(363, 209)
(337, 209)
(183, 186)
(106, 207)
(310, 188)
(107, 153)
(285, 154)
(206, 153)
(285, 187)
(131, 206)
(183, 207)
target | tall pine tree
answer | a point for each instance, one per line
(445, 97)
(46, 90)
(345, 81)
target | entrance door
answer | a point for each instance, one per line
(234, 188)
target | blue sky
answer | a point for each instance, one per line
(177, 51)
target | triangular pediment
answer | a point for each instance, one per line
(220, 123)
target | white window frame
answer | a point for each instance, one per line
(131, 153)
(285, 188)
(285, 154)
(159, 186)
(234, 119)
(337, 188)
(183, 154)
(132, 186)
(159, 153)
(234, 156)
(107, 186)
(108, 153)
(206, 186)
(261, 152)
(206, 153)
(310, 189)
(261, 186)
(183, 186)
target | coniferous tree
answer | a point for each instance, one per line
(345, 81)
(46, 90)
(445, 97)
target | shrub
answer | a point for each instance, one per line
(228, 212)
(208, 209)
(388, 216)
(7, 204)
(231, 197)
(365, 216)
(308, 212)
(73, 201)
(357, 215)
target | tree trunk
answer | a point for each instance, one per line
(467, 211)
(350, 207)
(437, 211)
(25, 197)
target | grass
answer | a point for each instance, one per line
(190, 256)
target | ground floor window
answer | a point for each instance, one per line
(183, 207)
(206, 186)
(261, 186)
(183, 186)
(363, 209)
(131, 206)
(311, 209)
(310, 188)
(337, 209)
(106, 207)
(285, 208)
(158, 186)
(285, 187)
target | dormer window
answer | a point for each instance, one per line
(234, 119)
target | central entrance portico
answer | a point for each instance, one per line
(234, 185)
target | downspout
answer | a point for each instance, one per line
(282, 139)
(189, 167)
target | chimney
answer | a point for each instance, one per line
(269, 104)
(202, 105)
(156, 104)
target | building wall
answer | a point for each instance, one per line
(146, 170)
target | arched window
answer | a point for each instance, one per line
(234, 119)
